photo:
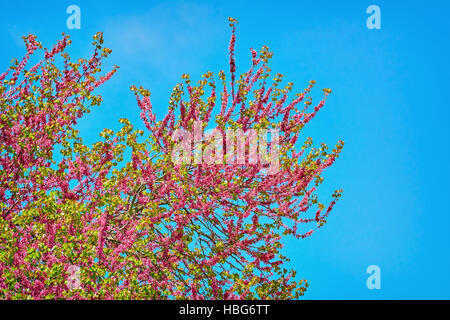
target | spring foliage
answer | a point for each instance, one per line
(134, 224)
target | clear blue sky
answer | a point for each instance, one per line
(388, 105)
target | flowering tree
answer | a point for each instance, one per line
(122, 218)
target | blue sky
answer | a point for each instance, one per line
(388, 105)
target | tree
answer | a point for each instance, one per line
(123, 218)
